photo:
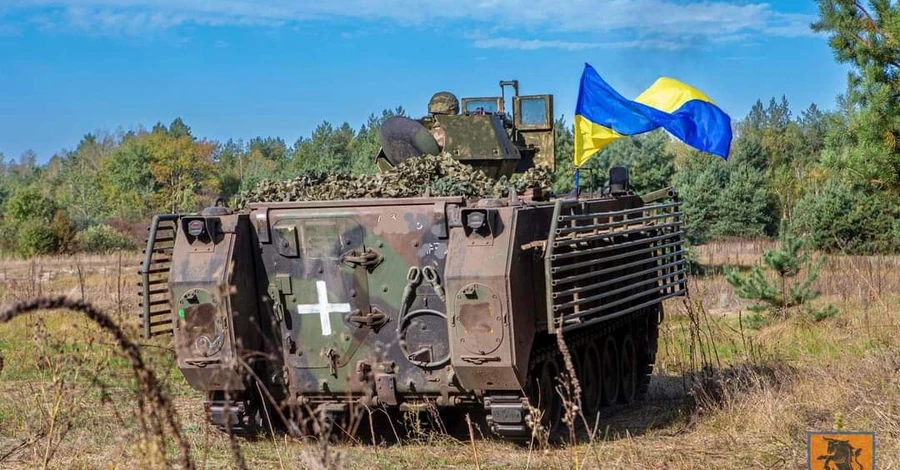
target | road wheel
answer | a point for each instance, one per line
(609, 362)
(544, 395)
(589, 375)
(628, 370)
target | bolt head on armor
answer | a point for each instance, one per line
(443, 102)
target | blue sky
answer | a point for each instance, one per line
(245, 68)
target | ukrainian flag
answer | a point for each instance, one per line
(602, 116)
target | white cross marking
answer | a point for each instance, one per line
(323, 308)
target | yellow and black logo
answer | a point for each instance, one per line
(841, 450)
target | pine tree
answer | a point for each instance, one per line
(868, 38)
(787, 260)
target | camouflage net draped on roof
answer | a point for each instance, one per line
(422, 176)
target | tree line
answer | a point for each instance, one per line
(98, 196)
(832, 176)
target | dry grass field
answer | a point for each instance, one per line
(730, 391)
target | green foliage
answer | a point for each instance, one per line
(724, 199)
(4, 196)
(857, 208)
(745, 207)
(139, 173)
(103, 239)
(771, 159)
(868, 39)
(229, 160)
(240, 167)
(80, 176)
(748, 150)
(852, 219)
(367, 142)
(650, 163)
(331, 148)
(814, 125)
(128, 183)
(29, 203)
(771, 140)
(8, 238)
(36, 237)
(649, 160)
(178, 129)
(698, 182)
(692, 261)
(33, 224)
(563, 176)
(822, 314)
(166, 170)
(183, 170)
(786, 261)
(755, 321)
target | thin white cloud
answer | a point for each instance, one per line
(532, 44)
(535, 44)
(790, 25)
(654, 21)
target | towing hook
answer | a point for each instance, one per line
(430, 274)
(414, 276)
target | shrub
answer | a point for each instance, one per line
(9, 235)
(28, 203)
(853, 220)
(103, 239)
(822, 314)
(36, 237)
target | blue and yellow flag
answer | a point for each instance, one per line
(602, 116)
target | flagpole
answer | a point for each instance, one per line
(577, 182)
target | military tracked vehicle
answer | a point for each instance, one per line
(455, 303)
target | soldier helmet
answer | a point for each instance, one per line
(443, 102)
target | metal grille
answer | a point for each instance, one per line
(156, 306)
(601, 265)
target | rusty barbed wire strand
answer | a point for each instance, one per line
(145, 377)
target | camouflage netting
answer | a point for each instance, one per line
(423, 176)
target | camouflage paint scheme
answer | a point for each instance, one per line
(457, 333)
(397, 302)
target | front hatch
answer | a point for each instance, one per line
(320, 289)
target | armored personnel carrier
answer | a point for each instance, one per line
(451, 302)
